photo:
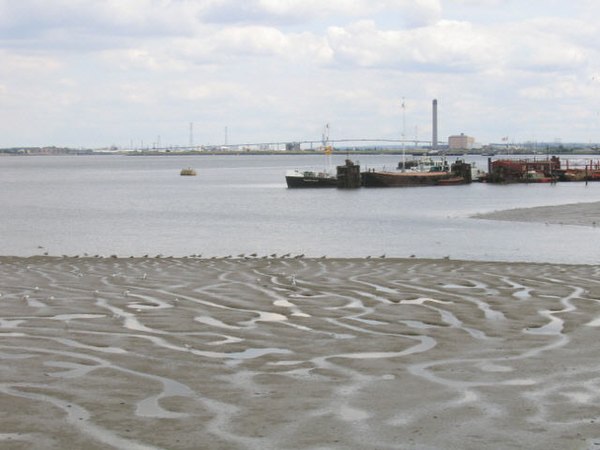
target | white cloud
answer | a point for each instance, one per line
(445, 46)
(288, 66)
(415, 12)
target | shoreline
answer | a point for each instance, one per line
(268, 259)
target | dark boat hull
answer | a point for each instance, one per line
(406, 179)
(310, 182)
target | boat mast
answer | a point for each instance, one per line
(326, 147)
(403, 136)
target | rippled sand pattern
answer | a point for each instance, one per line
(294, 353)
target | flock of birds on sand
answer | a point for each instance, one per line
(199, 256)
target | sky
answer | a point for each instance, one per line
(98, 73)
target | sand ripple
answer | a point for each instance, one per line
(297, 353)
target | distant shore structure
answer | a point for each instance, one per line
(434, 132)
(461, 142)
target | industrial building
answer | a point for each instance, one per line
(461, 142)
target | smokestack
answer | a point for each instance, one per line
(434, 137)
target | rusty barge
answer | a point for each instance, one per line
(547, 170)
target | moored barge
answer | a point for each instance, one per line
(541, 171)
(458, 173)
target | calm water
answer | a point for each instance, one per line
(239, 204)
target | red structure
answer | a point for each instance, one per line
(523, 170)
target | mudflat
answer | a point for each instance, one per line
(294, 353)
(581, 214)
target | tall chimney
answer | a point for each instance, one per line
(434, 137)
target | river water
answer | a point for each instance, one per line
(239, 204)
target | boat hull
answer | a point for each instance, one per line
(310, 182)
(407, 179)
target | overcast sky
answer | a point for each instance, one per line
(93, 73)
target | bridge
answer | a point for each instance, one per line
(302, 145)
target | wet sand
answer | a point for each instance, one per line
(581, 214)
(191, 353)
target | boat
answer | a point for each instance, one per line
(188, 172)
(408, 164)
(534, 176)
(579, 171)
(523, 170)
(431, 173)
(477, 174)
(310, 179)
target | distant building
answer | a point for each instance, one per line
(292, 146)
(461, 142)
